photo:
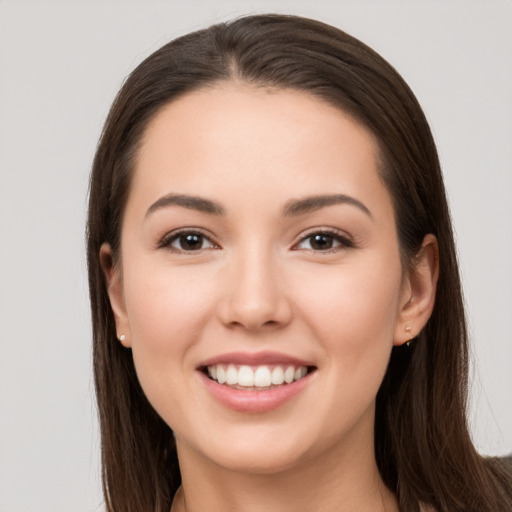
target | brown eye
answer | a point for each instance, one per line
(323, 241)
(189, 241)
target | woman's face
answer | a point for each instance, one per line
(259, 246)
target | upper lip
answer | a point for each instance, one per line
(255, 359)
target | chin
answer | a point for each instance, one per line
(256, 461)
(262, 451)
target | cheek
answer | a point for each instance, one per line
(167, 309)
(353, 313)
(354, 319)
(356, 299)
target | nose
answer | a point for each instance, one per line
(254, 297)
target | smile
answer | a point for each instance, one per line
(256, 382)
(256, 378)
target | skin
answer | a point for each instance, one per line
(256, 283)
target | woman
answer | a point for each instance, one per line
(274, 287)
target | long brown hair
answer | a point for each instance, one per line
(422, 445)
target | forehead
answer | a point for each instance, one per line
(236, 138)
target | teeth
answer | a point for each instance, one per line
(262, 377)
(289, 374)
(231, 375)
(245, 376)
(277, 376)
(300, 372)
(258, 376)
(221, 375)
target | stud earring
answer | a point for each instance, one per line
(409, 330)
(122, 338)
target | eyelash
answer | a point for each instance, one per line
(343, 241)
(168, 240)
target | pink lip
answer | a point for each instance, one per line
(256, 359)
(254, 401)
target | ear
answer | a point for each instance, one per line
(419, 292)
(114, 280)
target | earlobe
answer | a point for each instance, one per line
(419, 292)
(113, 278)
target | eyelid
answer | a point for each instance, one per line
(345, 240)
(166, 241)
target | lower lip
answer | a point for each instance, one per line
(252, 400)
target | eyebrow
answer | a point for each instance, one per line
(292, 208)
(185, 201)
(313, 203)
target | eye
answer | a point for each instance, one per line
(187, 241)
(323, 241)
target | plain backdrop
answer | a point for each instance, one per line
(61, 64)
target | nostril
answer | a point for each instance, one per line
(253, 306)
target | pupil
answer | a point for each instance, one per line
(321, 242)
(191, 242)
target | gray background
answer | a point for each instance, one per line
(61, 64)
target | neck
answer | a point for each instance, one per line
(328, 482)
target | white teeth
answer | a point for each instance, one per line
(259, 376)
(289, 374)
(262, 377)
(231, 375)
(221, 374)
(245, 376)
(277, 376)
